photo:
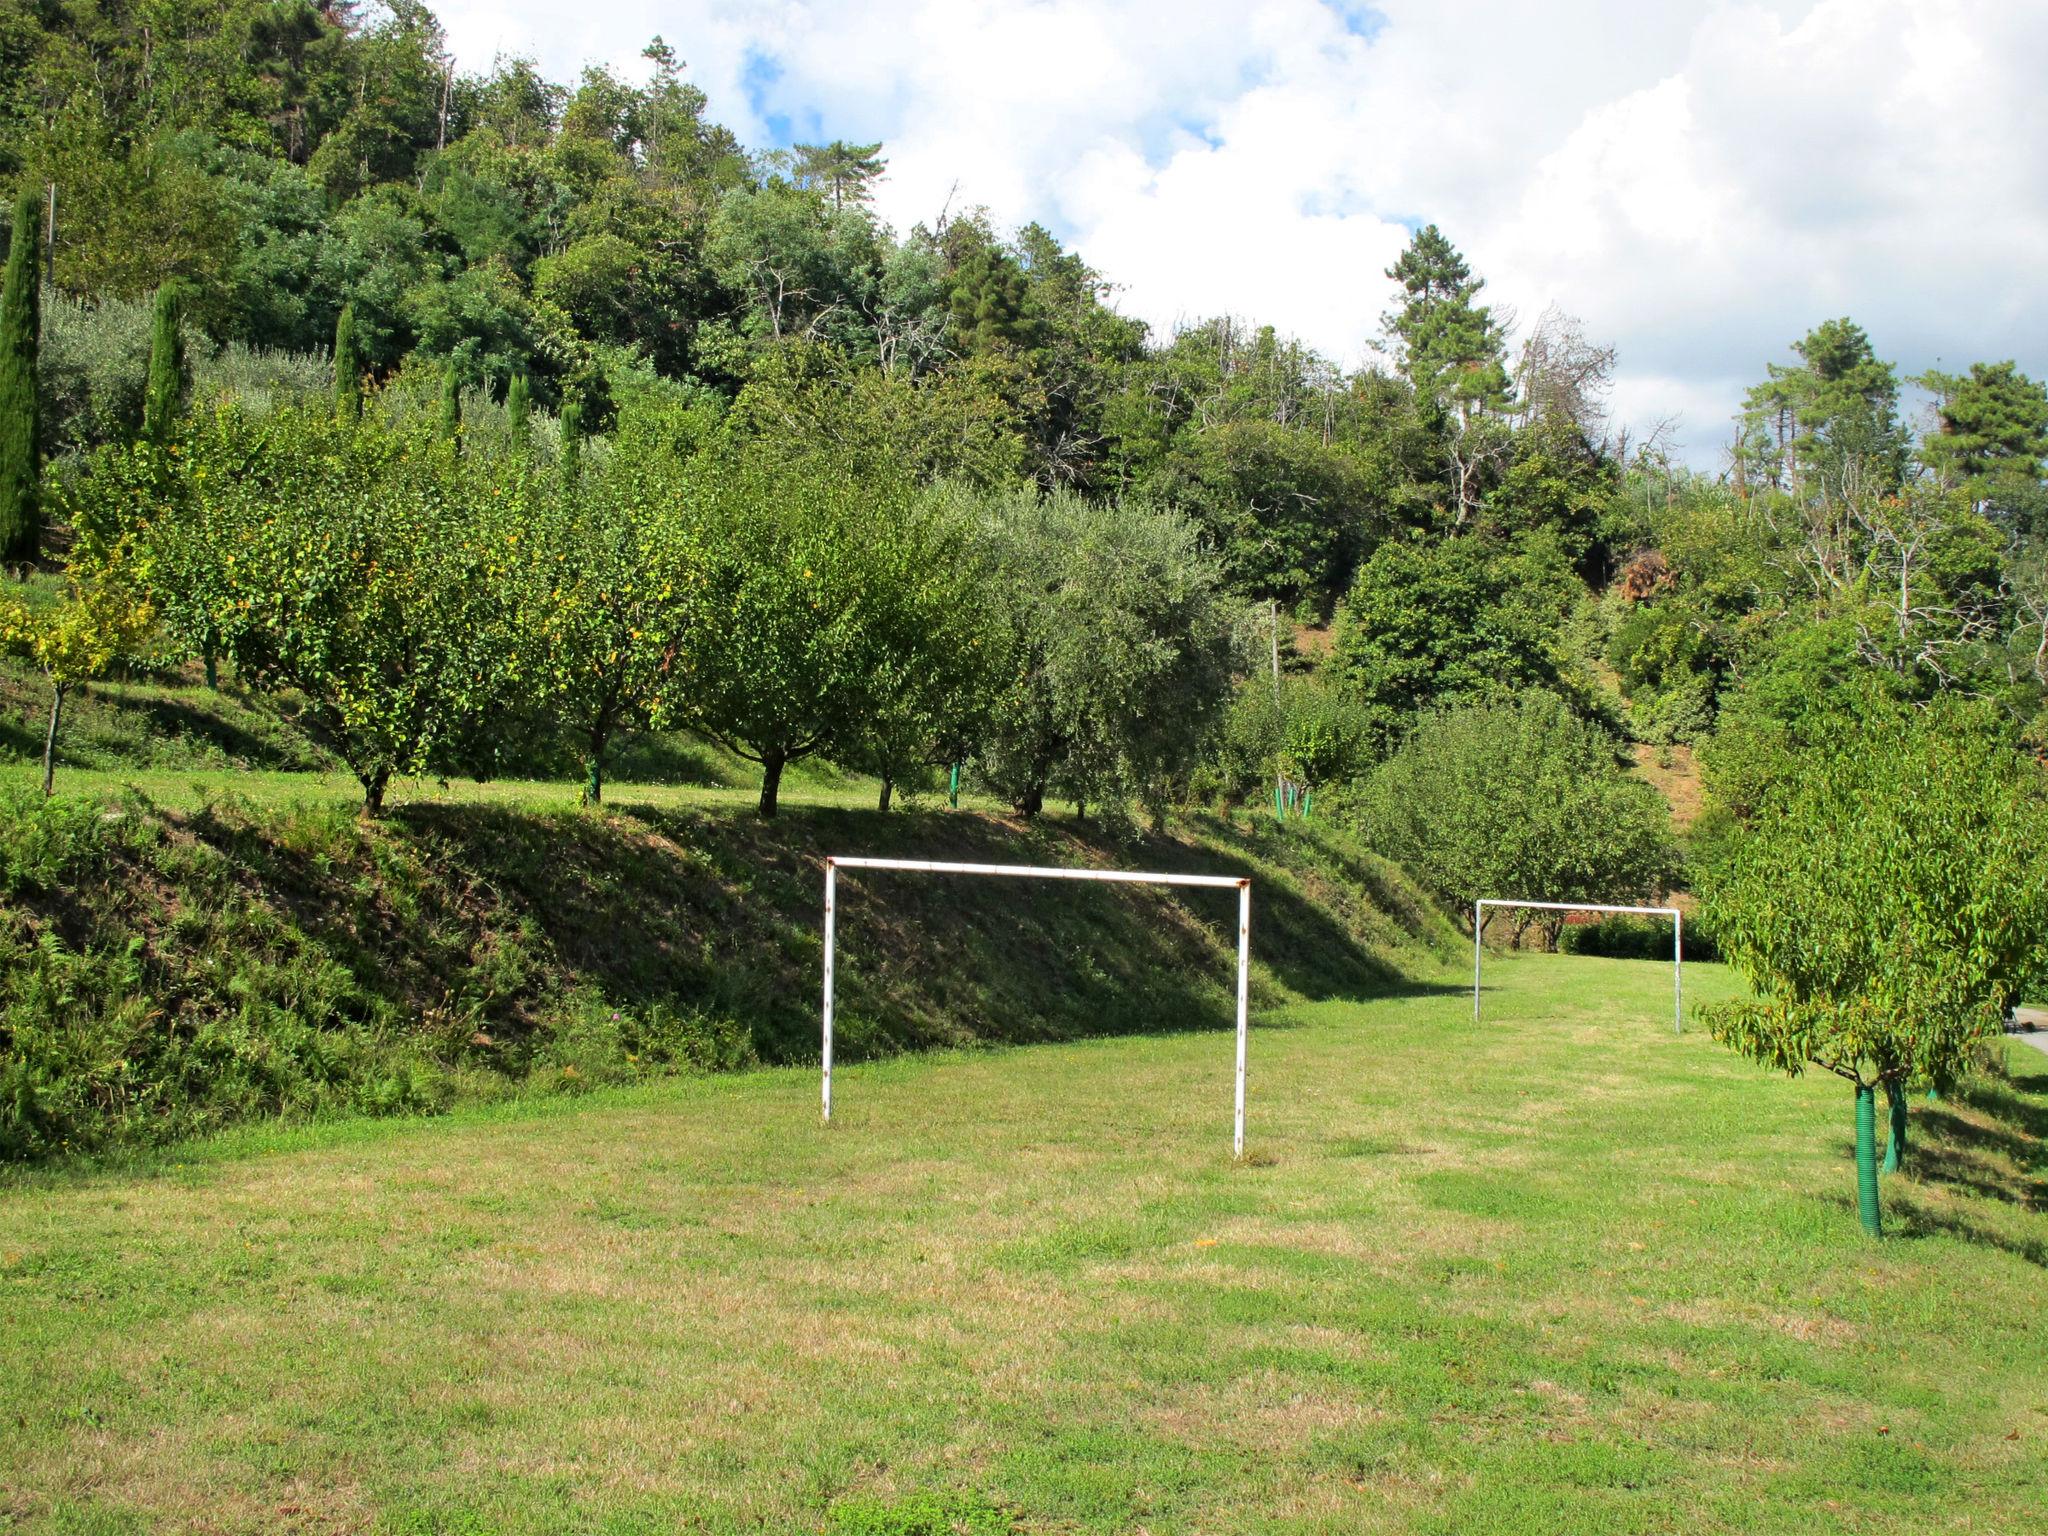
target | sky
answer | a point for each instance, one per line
(1698, 181)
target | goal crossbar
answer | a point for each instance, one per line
(1677, 943)
(1240, 883)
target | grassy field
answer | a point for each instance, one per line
(1562, 1272)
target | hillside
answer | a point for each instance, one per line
(165, 971)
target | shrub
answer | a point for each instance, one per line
(1518, 800)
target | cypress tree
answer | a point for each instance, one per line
(451, 402)
(572, 439)
(20, 427)
(348, 367)
(519, 411)
(166, 367)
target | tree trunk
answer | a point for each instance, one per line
(1866, 1160)
(373, 790)
(771, 783)
(888, 787)
(212, 671)
(57, 692)
(593, 767)
(1895, 1149)
(1030, 802)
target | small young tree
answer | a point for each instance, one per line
(98, 622)
(1887, 905)
(21, 466)
(166, 366)
(348, 367)
(368, 569)
(1519, 799)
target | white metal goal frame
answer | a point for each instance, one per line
(1241, 883)
(1677, 944)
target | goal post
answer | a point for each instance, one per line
(1240, 883)
(1677, 943)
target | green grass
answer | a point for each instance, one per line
(1560, 1272)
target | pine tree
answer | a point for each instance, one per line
(1455, 356)
(20, 426)
(519, 411)
(166, 367)
(1993, 437)
(1452, 350)
(348, 367)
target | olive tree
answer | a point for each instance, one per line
(1118, 642)
(368, 568)
(1887, 904)
(1517, 799)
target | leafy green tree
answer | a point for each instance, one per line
(1433, 622)
(99, 622)
(348, 367)
(812, 588)
(1119, 648)
(1290, 514)
(166, 367)
(610, 605)
(1517, 798)
(1887, 905)
(21, 467)
(845, 172)
(365, 567)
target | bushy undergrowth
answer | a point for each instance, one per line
(166, 975)
(1622, 937)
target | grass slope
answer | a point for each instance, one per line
(1559, 1273)
(168, 972)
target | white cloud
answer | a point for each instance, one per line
(1700, 182)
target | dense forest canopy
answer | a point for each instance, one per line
(306, 207)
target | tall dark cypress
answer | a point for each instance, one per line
(451, 402)
(21, 469)
(348, 367)
(166, 367)
(519, 411)
(572, 440)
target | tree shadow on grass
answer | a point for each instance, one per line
(1974, 1157)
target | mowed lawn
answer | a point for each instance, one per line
(1559, 1272)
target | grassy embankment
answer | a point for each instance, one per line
(164, 973)
(1562, 1272)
